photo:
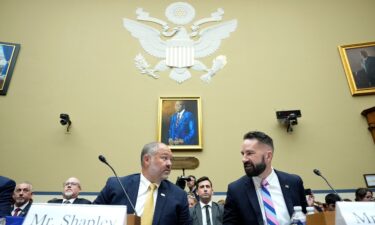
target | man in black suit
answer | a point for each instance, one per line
(72, 187)
(6, 189)
(23, 198)
(206, 211)
(245, 202)
(156, 200)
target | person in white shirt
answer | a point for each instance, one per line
(206, 212)
(264, 195)
(72, 188)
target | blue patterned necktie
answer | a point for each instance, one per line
(268, 204)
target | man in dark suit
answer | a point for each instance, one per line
(6, 190)
(206, 211)
(171, 207)
(23, 198)
(182, 127)
(262, 187)
(72, 188)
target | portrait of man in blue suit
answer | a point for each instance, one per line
(182, 126)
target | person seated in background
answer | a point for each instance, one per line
(72, 188)
(363, 195)
(331, 200)
(192, 200)
(221, 202)
(6, 189)
(23, 198)
(206, 211)
(310, 198)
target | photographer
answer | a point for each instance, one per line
(188, 181)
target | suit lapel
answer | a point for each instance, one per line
(160, 202)
(132, 189)
(253, 198)
(285, 188)
(198, 211)
(215, 213)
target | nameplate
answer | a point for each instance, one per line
(75, 214)
(358, 213)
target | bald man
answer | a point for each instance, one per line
(72, 188)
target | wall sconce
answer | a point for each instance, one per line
(65, 120)
(370, 115)
(288, 118)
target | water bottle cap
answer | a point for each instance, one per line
(297, 208)
(310, 208)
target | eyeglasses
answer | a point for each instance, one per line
(70, 184)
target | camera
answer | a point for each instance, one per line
(64, 119)
(288, 118)
(181, 181)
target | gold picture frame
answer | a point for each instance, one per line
(359, 65)
(180, 131)
(8, 57)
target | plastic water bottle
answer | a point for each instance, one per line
(298, 217)
(310, 210)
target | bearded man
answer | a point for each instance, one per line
(72, 188)
(264, 196)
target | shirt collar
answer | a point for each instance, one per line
(202, 204)
(22, 207)
(70, 200)
(146, 183)
(270, 178)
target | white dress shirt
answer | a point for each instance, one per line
(142, 193)
(278, 200)
(69, 200)
(22, 207)
(203, 209)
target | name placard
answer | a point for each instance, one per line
(358, 213)
(75, 214)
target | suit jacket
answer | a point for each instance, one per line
(76, 201)
(217, 214)
(171, 204)
(24, 211)
(242, 206)
(6, 190)
(185, 128)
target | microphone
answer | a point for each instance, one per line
(104, 160)
(318, 173)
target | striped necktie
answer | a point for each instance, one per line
(16, 211)
(268, 204)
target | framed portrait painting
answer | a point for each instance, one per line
(180, 122)
(359, 65)
(8, 57)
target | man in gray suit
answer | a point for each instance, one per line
(206, 212)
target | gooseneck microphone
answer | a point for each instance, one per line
(318, 173)
(104, 160)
